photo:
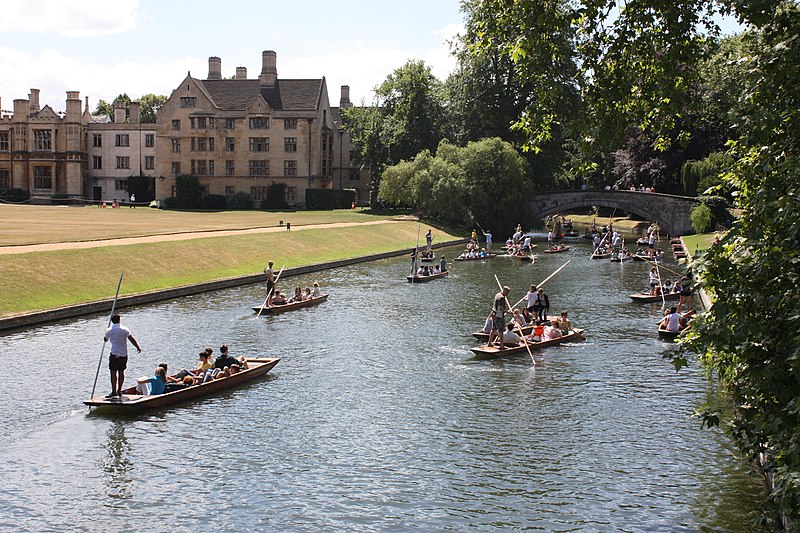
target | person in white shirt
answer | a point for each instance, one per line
(509, 336)
(118, 360)
(673, 321)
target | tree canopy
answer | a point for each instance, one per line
(149, 106)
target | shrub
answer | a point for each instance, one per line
(170, 202)
(719, 209)
(239, 201)
(276, 194)
(213, 201)
(702, 218)
(15, 195)
(187, 192)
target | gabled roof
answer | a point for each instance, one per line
(286, 95)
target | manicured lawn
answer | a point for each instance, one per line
(697, 242)
(622, 224)
(45, 280)
(33, 224)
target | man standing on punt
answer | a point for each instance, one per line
(498, 317)
(118, 361)
(270, 277)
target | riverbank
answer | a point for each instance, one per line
(49, 285)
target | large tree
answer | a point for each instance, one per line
(150, 104)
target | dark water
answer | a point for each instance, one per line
(377, 418)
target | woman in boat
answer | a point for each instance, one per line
(518, 318)
(316, 293)
(673, 321)
(551, 331)
(531, 299)
(487, 326)
(544, 305)
(563, 323)
(297, 296)
(306, 294)
(157, 383)
(653, 280)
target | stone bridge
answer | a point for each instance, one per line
(669, 211)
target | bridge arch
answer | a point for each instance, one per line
(668, 211)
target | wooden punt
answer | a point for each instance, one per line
(282, 308)
(664, 333)
(490, 352)
(601, 256)
(131, 401)
(646, 297)
(556, 249)
(419, 278)
(476, 258)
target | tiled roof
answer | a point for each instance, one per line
(287, 95)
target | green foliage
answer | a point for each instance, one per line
(323, 199)
(276, 197)
(213, 201)
(483, 181)
(15, 195)
(701, 218)
(187, 192)
(697, 177)
(239, 201)
(150, 104)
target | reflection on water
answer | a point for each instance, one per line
(378, 417)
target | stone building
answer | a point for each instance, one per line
(121, 156)
(245, 134)
(43, 151)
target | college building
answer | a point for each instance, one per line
(233, 134)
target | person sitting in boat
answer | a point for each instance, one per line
(551, 331)
(153, 385)
(306, 294)
(518, 318)
(510, 336)
(667, 288)
(443, 264)
(530, 318)
(487, 326)
(436, 269)
(673, 322)
(297, 296)
(316, 293)
(278, 298)
(482, 253)
(563, 323)
(223, 364)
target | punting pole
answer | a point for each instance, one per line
(521, 334)
(269, 293)
(656, 265)
(103, 349)
(547, 279)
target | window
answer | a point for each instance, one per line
(290, 144)
(176, 146)
(97, 162)
(149, 162)
(211, 144)
(259, 168)
(229, 190)
(199, 167)
(176, 168)
(5, 179)
(290, 123)
(122, 139)
(201, 144)
(42, 141)
(123, 162)
(176, 125)
(229, 168)
(291, 195)
(259, 144)
(188, 101)
(258, 193)
(4, 141)
(149, 140)
(42, 177)
(97, 140)
(211, 167)
(120, 185)
(259, 123)
(230, 144)
(230, 123)
(212, 123)
(201, 123)
(290, 168)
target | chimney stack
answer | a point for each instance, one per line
(119, 112)
(21, 108)
(73, 106)
(344, 99)
(136, 113)
(33, 100)
(214, 68)
(269, 70)
(241, 73)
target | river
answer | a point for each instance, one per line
(377, 418)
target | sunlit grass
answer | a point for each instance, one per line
(45, 280)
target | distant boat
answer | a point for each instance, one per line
(490, 352)
(420, 278)
(274, 309)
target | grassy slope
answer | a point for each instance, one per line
(44, 280)
(698, 242)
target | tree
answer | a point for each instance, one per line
(105, 108)
(407, 118)
(151, 103)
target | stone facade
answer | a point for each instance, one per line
(44, 151)
(245, 134)
(121, 157)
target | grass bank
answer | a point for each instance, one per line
(36, 224)
(46, 280)
(701, 241)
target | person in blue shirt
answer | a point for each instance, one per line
(158, 382)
